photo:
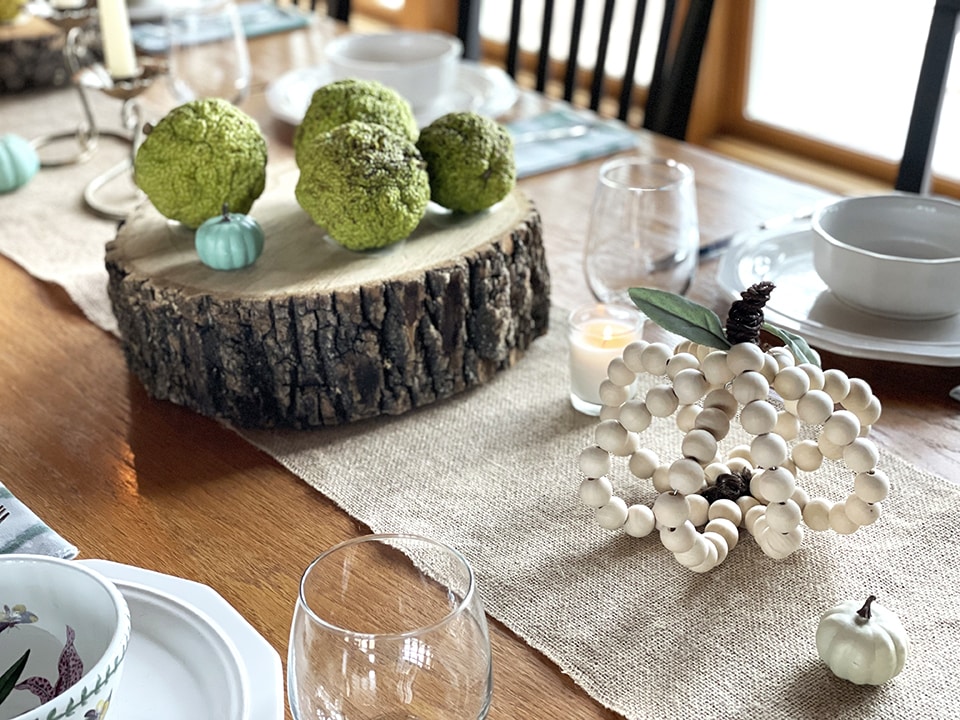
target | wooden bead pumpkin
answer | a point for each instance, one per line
(866, 645)
(19, 162)
(229, 241)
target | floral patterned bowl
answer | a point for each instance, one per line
(64, 631)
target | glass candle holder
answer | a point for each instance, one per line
(597, 334)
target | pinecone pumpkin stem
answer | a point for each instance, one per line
(745, 318)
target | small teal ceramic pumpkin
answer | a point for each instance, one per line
(229, 241)
(19, 162)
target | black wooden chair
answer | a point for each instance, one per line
(914, 174)
(677, 64)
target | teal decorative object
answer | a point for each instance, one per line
(19, 162)
(229, 241)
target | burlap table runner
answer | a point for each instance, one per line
(494, 472)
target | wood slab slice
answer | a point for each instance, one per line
(315, 335)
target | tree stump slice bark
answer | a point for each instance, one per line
(314, 335)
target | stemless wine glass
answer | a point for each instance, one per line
(389, 627)
(207, 50)
(643, 230)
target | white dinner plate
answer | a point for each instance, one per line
(802, 304)
(191, 655)
(486, 90)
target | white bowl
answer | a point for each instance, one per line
(421, 66)
(892, 255)
(45, 601)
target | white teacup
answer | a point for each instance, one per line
(421, 66)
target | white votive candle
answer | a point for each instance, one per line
(597, 335)
(118, 52)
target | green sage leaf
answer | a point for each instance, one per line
(12, 676)
(681, 316)
(798, 346)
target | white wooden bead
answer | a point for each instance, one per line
(758, 525)
(776, 484)
(869, 414)
(690, 386)
(687, 417)
(643, 463)
(816, 513)
(783, 356)
(783, 516)
(806, 455)
(800, 497)
(768, 450)
(791, 407)
(661, 479)
(780, 545)
(710, 562)
(840, 522)
(814, 407)
(715, 369)
(654, 358)
(696, 554)
(836, 384)
(724, 509)
(700, 445)
(609, 412)
(814, 374)
(758, 417)
(829, 449)
(790, 465)
(744, 357)
(861, 455)
(714, 421)
(721, 544)
(679, 362)
(749, 386)
(723, 399)
(745, 502)
(610, 435)
(714, 470)
(613, 515)
(699, 506)
(635, 416)
(683, 347)
(755, 489)
(640, 521)
(630, 445)
(770, 368)
(739, 464)
(791, 383)
(788, 426)
(686, 475)
(726, 529)
(671, 509)
(702, 351)
(680, 538)
(740, 451)
(611, 394)
(662, 401)
(871, 487)
(842, 428)
(859, 395)
(619, 373)
(752, 516)
(632, 353)
(860, 512)
(596, 492)
(594, 461)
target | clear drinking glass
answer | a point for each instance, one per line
(207, 50)
(644, 230)
(389, 627)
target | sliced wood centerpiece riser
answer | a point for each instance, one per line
(315, 335)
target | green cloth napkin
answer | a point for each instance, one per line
(541, 143)
(21, 531)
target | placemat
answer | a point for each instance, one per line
(494, 472)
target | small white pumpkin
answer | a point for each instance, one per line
(867, 646)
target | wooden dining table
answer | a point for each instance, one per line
(149, 483)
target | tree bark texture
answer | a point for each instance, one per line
(290, 342)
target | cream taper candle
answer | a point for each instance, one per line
(597, 334)
(118, 52)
